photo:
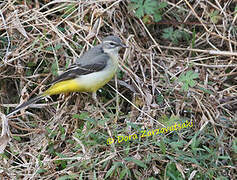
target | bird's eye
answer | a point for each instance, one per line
(112, 44)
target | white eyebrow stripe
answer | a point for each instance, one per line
(112, 42)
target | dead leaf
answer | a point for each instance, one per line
(131, 88)
(180, 169)
(3, 142)
(17, 24)
(192, 175)
(155, 169)
(5, 135)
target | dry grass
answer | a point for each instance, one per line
(66, 137)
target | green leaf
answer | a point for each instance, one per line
(192, 83)
(159, 98)
(162, 146)
(175, 35)
(182, 78)
(147, 7)
(185, 87)
(214, 16)
(110, 171)
(157, 17)
(17, 138)
(76, 116)
(139, 12)
(31, 64)
(224, 157)
(194, 75)
(41, 171)
(137, 5)
(168, 32)
(54, 68)
(68, 177)
(188, 79)
(205, 90)
(49, 48)
(69, 10)
(83, 115)
(61, 29)
(123, 173)
(172, 172)
(81, 175)
(136, 161)
(162, 5)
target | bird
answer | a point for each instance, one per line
(91, 71)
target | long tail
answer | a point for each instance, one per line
(60, 87)
(30, 101)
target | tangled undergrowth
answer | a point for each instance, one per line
(180, 67)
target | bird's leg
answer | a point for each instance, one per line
(97, 102)
(95, 98)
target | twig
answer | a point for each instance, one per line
(8, 39)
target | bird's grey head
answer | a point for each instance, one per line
(112, 44)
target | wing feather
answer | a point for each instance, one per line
(78, 69)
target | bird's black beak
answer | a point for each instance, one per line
(123, 45)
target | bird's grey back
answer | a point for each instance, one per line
(89, 56)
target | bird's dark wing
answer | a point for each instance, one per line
(77, 70)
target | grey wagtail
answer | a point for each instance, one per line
(90, 72)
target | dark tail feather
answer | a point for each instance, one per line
(30, 101)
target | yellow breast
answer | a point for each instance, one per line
(86, 83)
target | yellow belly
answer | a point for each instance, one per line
(85, 83)
(92, 82)
(63, 87)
